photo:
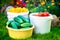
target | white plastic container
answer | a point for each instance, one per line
(42, 24)
(11, 15)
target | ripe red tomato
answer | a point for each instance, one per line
(46, 13)
(41, 14)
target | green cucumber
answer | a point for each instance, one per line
(18, 20)
(9, 22)
(14, 25)
(26, 25)
(17, 24)
(24, 19)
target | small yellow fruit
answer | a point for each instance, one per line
(48, 6)
(53, 4)
(11, 10)
(31, 4)
(18, 10)
(42, 3)
(24, 10)
(52, 1)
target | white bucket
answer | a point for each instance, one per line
(11, 15)
(42, 24)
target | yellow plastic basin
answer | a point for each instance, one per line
(20, 33)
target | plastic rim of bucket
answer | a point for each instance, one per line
(20, 29)
(47, 17)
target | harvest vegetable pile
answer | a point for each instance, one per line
(19, 22)
(42, 14)
(18, 10)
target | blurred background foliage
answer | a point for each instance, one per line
(53, 10)
(3, 2)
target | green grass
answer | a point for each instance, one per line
(53, 35)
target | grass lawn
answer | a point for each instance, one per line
(53, 35)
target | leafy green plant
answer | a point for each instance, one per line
(3, 2)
